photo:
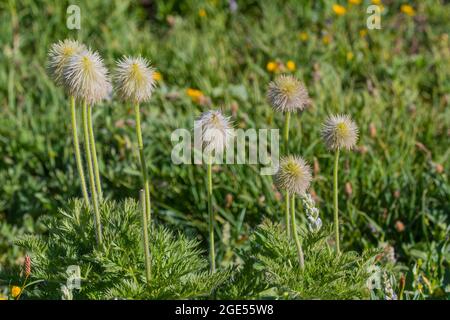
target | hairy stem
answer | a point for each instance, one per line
(335, 198)
(148, 208)
(298, 244)
(148, 266)
(76, 145)
(97, 221)
(212, 254)
(98, 184)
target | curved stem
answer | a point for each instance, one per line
(94, 154)
(97, 223)
(76, 146)
(335, 198)
(212, 254)
(148, 208)
(298, 244)
(148, 266)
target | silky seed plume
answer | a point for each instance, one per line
(339, 132)
(86, 77)
(294, 175)
(287, 94)
(59, 55)
(215, 130)
(134, 78)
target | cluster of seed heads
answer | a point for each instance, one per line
(81, 71)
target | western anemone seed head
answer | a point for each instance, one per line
(339, 131)
(215, 130)
(287, 94)
(134, 77)
(294, 175)
(58, 56)
(86, 77)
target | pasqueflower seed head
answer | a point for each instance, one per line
(294, 175)
(339, 132)
(59, 55)
(287, 94)
(215, 129)
(134, 79)
(86, 77)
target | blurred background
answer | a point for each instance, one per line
(394, 81)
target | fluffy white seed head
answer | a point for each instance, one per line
(134, 79)
(86, 77)
(59, 55)
(215, 129)
(339, 132)
(287, 94)
(294, 175)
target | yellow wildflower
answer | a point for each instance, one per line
(194, 94)
(408, 10)
(339, 10)
(303, 36)
(350, 56)
(354, 1)
(362, 33)
(377, 2)
(291, 65)
(157, 76)
(15, 291)
(326, 39)
(202, 13)
(272, 66)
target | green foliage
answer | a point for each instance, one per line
(271, 269)
(179, 269)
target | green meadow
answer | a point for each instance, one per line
(394, 191)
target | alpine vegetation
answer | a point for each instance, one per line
(338, 132)
(294, 176)
(135, 84)
(58, 56)
(86, 78)
(287, 94)
(216, 134)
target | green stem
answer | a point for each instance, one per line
(148, 208)
(335, 198)
(298, 244)
(76, 145)
(148, 266)
(87, 147)
(288, 228)
(286, 132)
(94, 154)
(286, 151)
(22, 288)
(212, 254)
